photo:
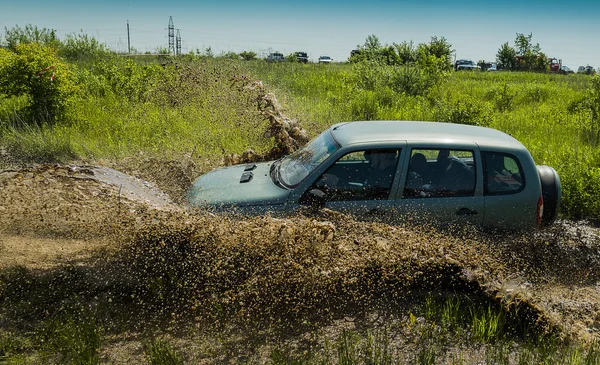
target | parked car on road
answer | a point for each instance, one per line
(566, 70)
(325, 59)
(465, 64)
(275, 57)
(588, 70)
(493, 67)
(302, 57)
(422, 171)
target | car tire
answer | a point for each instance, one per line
(551, 192)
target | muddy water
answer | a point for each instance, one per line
(303, 266)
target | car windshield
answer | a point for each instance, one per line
(297, 166)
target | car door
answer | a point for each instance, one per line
(351, 184)
(442, 185)
(511, 197)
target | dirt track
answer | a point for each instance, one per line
(52, 214)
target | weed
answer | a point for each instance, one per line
(427, 354)
(76, 338)
(160, 352)
(487, 324)
(593, 354)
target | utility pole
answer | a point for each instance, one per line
(178, 43)
(171, 36)
(128, 39)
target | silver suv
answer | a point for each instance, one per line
(423, 171)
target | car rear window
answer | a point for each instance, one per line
(503, 174)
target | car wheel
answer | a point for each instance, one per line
(551, 192)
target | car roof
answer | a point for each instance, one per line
(388, 131)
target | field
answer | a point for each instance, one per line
(98, 270)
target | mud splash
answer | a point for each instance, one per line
(115, 239)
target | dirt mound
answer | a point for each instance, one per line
(72, 201)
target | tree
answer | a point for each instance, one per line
(441, 49)
(524, 45)
(435, 54)
(82, 46)
(30, 34)
(407, 52)
(248, 55)
(527, 55)
(506, 57)
(370, 51)
(372, 44)
(389, 56)
(229, 55)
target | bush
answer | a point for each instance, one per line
(411, 80)
(30, 34)
(589, 106)
(35, 71)
(81, 47)
(467, 111)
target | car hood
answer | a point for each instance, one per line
(240, 185)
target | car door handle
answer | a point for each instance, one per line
(466, 211)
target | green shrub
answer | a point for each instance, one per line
(589, 106)
(364, 105)
(77, 47)
(467, 111)
(30, 34)
(36, 72)
(503, 97)
(581, 189)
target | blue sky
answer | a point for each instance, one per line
(476, 29)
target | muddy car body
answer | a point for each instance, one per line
(440, 172)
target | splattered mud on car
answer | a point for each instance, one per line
(118, 243)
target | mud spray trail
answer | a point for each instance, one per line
(302, 267)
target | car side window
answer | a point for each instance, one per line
(503, 174)
(360, 175)
(436, 173)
